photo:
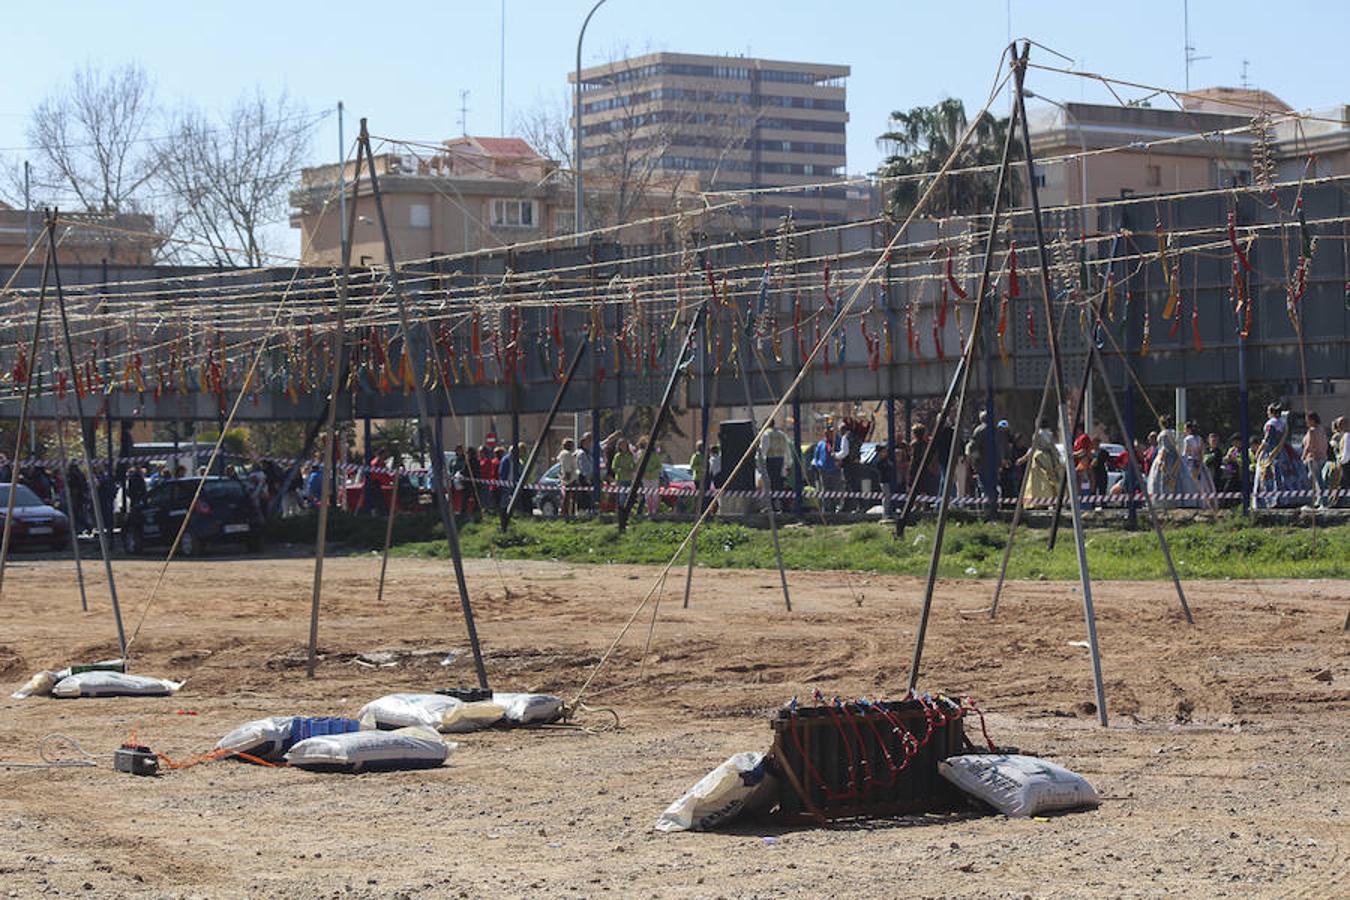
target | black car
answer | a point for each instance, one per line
(224, 512)
(35, 522)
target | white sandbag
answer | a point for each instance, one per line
(438, 711)
(742, 784)
(1019, 785)
(417, 747)
(114, 684)
(262, 738)
(526, 709)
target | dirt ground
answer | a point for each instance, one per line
(1222, 774)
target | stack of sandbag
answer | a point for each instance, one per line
(1017, 785)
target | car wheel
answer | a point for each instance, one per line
(254, 543)
(548, 509)
(190, 546)
(61, 545)
(132, 540)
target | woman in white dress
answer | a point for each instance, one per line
(1195, 474)
(1165, 475)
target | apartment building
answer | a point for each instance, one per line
(466, 194)
(734, 122)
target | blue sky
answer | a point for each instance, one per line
(404, 64)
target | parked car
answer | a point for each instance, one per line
(224, 513)
(35, 522)
(677, 484)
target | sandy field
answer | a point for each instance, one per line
(1223, 772)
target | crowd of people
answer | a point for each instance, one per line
(1190, 468)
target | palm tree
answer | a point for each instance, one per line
(394, 440)
(920, 141)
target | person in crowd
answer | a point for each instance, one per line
(568, 474)
(986, 467)
(1213, 460)
(79, 497)
(6, 470)
(136, 486)
(901, 459)
(1101, 465)
(825, 470)
(1045, 466)
(473, 473)
(1315, 447)
(508, 473)
(1230, 468)
(1165, 473)
(942, 445)
(1198, 481)
(649, 477)
(1082, 458)
(622, 467)
(1338, 459)
(1150, 451)
(847, 452)
(487, 467)
(777, 452)
(1278, 474)
(921, 483)
(585, 472)
(884, 463)
(698, 468)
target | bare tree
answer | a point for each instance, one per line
(228, 177)
(91, 138)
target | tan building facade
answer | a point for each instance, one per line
(1161, 152)
(88, 239)
(735, 122)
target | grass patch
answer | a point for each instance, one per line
(1226, 548)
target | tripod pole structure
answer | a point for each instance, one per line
(958, 389)
(1057, 369)
(103, 547)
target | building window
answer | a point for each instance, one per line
(513, 213)
(419, 215)
(1154, 176)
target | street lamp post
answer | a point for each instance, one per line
(1082, 146)
(580, 212)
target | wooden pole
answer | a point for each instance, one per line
(543, 432)
(958, 388)
(677, 368)
(329, 454)
(388, 534)
(424, 417)
(23, 413)
(1085, 579)
(65, 488)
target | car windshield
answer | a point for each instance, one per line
(223, 490)
(23, 495)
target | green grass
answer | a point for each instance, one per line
(1229, 547)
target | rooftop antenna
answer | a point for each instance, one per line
(501, 81)
(1246, 82)
(1188, 48)
(464, 113)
